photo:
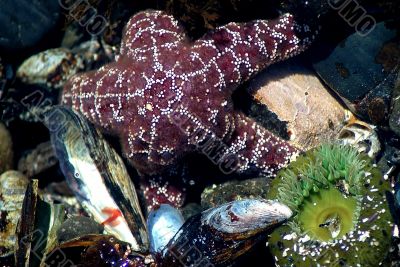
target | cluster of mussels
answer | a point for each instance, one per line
(102, 185)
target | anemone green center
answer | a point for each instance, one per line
(327, 215)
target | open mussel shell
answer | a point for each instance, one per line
(360, 135)
(163, 223)
(216, 237)
(97, 176)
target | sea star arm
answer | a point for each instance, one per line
(242, 49)
(98, 96)
(134, 96)
(148, 30)
(253, 149)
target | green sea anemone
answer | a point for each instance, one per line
(341, 214)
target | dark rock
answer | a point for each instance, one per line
(27, 102)
(393, 199)
(38, 160)
(394, 118)
(390, 9)
(394, 252)
(25, 23)
(190, 209)
(397, 195)
(390, 158)
(59, 190)
(6, 77)
(202, 15)
(362, 71)
(78, 226)
(2, 77)
(7, 261)
(389, 166)
(234, 190)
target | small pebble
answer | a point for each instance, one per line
(6, 151)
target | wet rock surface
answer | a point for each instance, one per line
(6, 74)
(28, 22)
(362, 71)
(394, 118)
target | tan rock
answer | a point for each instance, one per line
(6, 151)
(296, 95)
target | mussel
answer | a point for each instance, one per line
(97, 175)
(216, 237)
(163, 223)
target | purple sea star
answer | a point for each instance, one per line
(160, 74)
